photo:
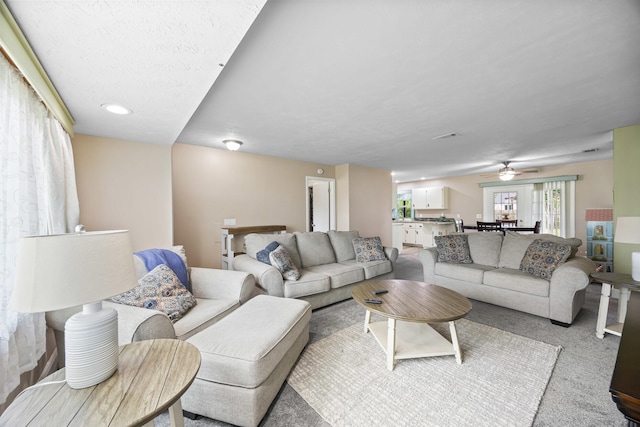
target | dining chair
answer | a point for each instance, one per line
(488, 226)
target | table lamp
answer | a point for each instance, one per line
(628, 231)
(65, 270)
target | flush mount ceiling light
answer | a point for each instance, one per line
(506, 173)
(116, 109)
(232, 144)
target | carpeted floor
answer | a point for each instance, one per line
(501, 381)
(577, 393)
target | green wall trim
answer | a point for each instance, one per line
(17, 48)
(530, 181)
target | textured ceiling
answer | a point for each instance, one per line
(368, 82)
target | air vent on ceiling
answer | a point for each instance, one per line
(446, 135)
(591, 150)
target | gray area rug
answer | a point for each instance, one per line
(577, 394)
(500, 382)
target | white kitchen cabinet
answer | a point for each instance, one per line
(437, 198)
(430, 198)
(413, 234)
(419, 198)
(397, 235)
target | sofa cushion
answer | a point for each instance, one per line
(202, 315)
(543, 257)
(485, 248)
(368, 249)
(314, 249)
(372, 268)
(309, 283)
(280, 259)
(342, 242)
(514, 246)
(244, 348)
(340, 274)
(516, 280)
(467, 272)
(453, 248)
(160, 289)
(256, 242)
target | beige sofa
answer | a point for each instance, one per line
(494, 275)
(217, 292)
(248, 344)
(326, 261)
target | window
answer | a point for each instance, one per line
(505, 205)
(549, 200)
(404, 205)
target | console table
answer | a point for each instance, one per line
(152, 375)
(625, 382)
(625, 284)
(228, 233)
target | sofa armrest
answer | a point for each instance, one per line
(134, 324)
(428, 257)
(566, 280)
(266, 276)
(139, 324)
(392, 254)
(211, 283)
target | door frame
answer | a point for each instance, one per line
(309, 180)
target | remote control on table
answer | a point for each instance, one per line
(380, 292)
(373, 301)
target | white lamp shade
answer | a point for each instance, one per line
(66, 270)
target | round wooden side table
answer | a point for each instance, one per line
(151, 377)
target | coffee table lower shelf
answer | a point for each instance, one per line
(413, 340)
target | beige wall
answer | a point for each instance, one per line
(125, 185)
(626, 153)
(594, 189)
(363, 201)
(211, 185)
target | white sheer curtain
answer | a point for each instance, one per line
(37, 196)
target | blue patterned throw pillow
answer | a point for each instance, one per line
(368, 249)
(263, 255)
(453, 249)
(543, 257)
(160, 289)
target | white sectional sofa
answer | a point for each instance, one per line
(494, 275)
(326, 261)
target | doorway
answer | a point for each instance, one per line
(321, 204)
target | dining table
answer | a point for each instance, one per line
(505, 228)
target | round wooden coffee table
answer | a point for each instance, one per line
(410, 306)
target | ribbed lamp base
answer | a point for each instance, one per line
(91, 346)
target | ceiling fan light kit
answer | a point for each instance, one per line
(506, 173)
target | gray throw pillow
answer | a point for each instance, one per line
(161, 290)
(543, 257)
(281, 260)
(368, 249)
(453, 249)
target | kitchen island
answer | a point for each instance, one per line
(421, 231)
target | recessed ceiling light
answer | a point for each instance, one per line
(116, 109)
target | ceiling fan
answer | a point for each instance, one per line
(507, 173)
